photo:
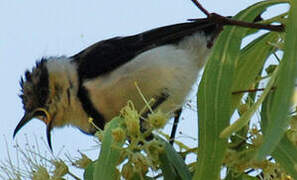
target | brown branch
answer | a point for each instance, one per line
(221, 20)
(218, 19)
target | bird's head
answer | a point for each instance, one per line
(48, 93)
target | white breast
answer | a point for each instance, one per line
(170, 68)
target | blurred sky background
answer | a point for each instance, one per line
(31, 29)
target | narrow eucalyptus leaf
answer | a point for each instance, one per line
(105, 167)
(278, 120)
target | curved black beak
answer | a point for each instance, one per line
(26, 118)
(30, 115)
(48, 135)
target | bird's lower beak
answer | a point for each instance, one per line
(30, 115)
(48, 135)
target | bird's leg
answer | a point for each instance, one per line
(174, 126)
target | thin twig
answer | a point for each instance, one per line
(221, 20)
(201, 8)
(251, 90)
(227, 21)
(254, 90)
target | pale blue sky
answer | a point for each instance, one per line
(30, 29)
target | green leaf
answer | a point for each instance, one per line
(214, 94)
(214, 105)
(245, 118)
(105, 167)
(278, 119)
(251, 61)
(89, 171)
(168, 170)
(175, 162)
(285, 152)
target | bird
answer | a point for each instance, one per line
(98, 81)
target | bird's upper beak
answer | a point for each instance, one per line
(30, 115)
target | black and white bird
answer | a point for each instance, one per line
(98, 81)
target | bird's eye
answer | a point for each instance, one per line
(40, 113)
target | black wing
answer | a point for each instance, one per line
(109, 54)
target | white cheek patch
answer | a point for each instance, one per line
(68, 108)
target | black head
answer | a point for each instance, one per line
(34, 95)
(35, 87)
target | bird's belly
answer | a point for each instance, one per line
(156, 72)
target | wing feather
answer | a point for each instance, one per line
(107, 55)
